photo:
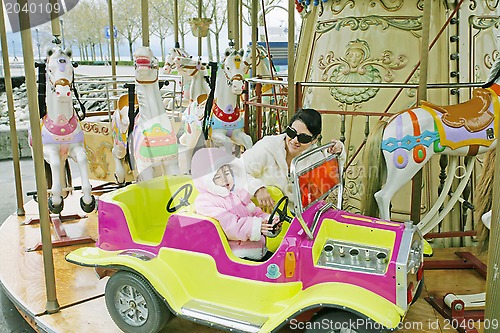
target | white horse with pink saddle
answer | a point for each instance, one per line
(152, 143)
(62, 135)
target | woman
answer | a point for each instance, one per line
(270, 158)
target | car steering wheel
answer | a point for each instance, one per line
(188, 189)
(282, 215)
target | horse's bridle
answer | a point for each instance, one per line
(199, 66)
(260, 57)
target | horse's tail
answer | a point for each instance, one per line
(484, 194)
(374, 169)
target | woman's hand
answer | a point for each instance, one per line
(337, 147)
(264, 199)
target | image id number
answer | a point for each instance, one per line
(32, 8)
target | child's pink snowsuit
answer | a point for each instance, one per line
(238, 216)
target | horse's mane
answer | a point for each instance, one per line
(494, 74)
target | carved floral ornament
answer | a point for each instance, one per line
(357, 66)
(304, 7)
(406, 23)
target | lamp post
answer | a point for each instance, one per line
(62, 34)
(38, 44)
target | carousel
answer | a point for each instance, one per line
(400, 236)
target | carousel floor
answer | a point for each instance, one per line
(81, 294)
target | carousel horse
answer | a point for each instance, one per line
(411, 137)
(226, 120)
(171, 64)
(148, 137)
(195, 112)
(262, 68)
(62, 134)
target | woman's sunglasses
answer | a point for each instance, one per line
(302, 137)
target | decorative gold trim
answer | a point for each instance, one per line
(393, 6)
(98, 164)
(358, 66)
(407, 23)
(492, 4)
(97, 128)
(337, 6)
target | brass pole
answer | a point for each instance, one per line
(230, 20)
(52, 305)
(421, 95)
(145, 22)
(200, 4)
(492, 309)
(291, 58)
(112, 44)
(12, 119)
(176, 24)
(54, 21)
(239, 13)
(255, 10)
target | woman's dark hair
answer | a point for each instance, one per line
(311, 118)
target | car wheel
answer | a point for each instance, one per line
(334, 321)
(133, 304)
(419, 291)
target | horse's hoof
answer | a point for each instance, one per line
(118, 181)
(55, 209)
(88, 208)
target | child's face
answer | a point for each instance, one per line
(223, 177)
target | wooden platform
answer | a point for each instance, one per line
(81, 294)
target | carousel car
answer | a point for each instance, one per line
(330, 269)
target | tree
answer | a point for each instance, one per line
(160, 25)
(127, 17)
(217, 11)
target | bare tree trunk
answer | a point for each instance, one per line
(130, 50)
(209, 47)
(162, 42)
(217, 46)
(100, 51)
(117, 50)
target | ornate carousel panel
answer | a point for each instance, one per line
(372, 43)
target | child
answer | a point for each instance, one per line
(219, 177)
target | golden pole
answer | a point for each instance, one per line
(416, 195)
(52, 305)
(176, 24)
(492, 309)
(291, 58)
(230, 20)
(255, 10)
(112, 43)
(12, 119)
(200, 4)
(145, 22)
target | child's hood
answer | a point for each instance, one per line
(205, 164)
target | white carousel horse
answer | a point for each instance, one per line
(195, 112)
(227, 120)
(62, 134)
(171, 63)
(152, 144)
(412, 136)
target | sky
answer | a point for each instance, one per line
(277, 30)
